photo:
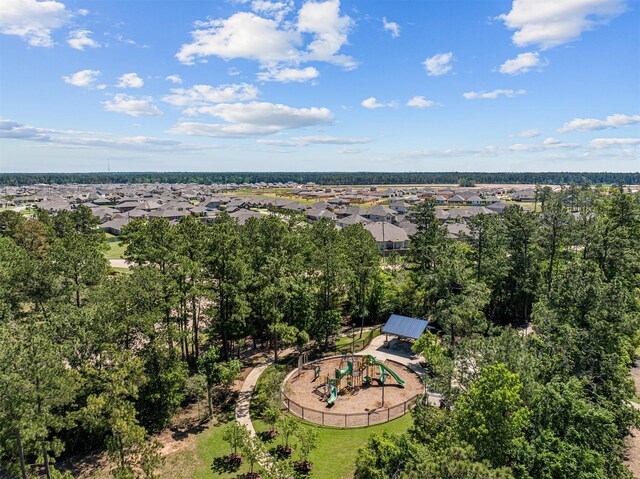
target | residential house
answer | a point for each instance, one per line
(388, 237)
(380, 213)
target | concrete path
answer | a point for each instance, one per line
(119, 263)
(244, 397)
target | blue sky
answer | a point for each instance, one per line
(257, 85)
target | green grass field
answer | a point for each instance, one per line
(334, 457)
(116, 250)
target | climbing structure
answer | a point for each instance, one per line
(355, 372)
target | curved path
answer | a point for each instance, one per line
(244, 397)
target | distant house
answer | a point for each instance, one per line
(350, 211)
(169, 214)
(410, 228)
(498, 207)
(388, 237)
(128, 205)
(114, 226)
(400, 207)
(317, 214)
(440, 200)
(456, 199)
(242, 215)
(474, 200)
(352, 220)
(442, 215)
(380, 213)
(524, 195)
(455, 230)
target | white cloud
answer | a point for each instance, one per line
(83, 78)
(492, 95)
(200, 95)
(529, 133)
(276, 10)
(253, 119)
(601, 143)
(315, 140)
(79, 39)
(590, 124)
(287, 75)
(392, 27)
(438, 64)
(32, 20)
(132, 106)
(372, 103)
(549, 23)
(420, 102)
(318, 34)
(522, 63)
(551, 141)
(243, 35)
(83, 139)
(329, 29)
(174, 79)
(128, 41)
(130, 80)
(346, 150)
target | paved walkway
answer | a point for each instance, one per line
(119, 263)
(244, 397)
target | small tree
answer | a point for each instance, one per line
(307, 443)
(271, 416)
(236, 435)
(252, 449)
(288, 427)
(207, 364)
(428, 345)
(228, 373)
(195, 389)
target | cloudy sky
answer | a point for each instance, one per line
(257, 85)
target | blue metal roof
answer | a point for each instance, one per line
(405, 326)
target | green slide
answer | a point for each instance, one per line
(333, 396)
(385, 369)
(340, 373)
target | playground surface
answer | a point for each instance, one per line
(363, 399)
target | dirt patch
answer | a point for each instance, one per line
(633, 453)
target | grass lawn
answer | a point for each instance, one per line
(344, 342)
(333, 459)
(116, 250)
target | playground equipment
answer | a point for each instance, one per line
(333, 396)
(383, 369)
(357, 372)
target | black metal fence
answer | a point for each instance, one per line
(359, 419)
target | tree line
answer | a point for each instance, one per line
(322, 178)
(549, 399)
(91, 360)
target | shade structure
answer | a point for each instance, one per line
(405, 326)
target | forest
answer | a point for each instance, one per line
(329, 178)
(536, 317)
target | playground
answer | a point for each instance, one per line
(351, 391)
